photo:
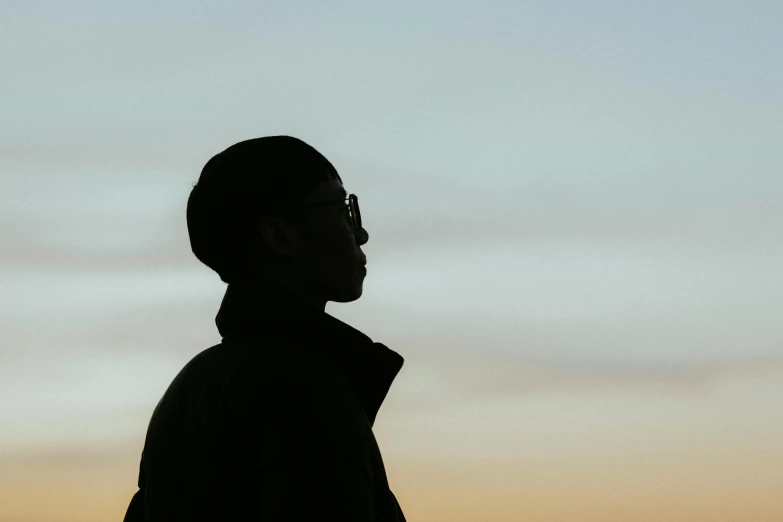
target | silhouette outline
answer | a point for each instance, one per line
(275, 422)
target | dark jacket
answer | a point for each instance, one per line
(272, 424)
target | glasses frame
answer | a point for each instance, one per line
(353, 207)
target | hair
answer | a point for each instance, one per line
(238, 187)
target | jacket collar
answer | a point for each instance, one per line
(266, 310)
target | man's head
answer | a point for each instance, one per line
(251, 218)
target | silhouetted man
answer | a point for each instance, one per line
(275, 422)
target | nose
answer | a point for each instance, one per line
(361, 236)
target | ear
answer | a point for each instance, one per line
(278, 235)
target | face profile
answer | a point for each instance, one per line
(274, 209)
(327, 263)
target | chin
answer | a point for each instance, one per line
(348, 295)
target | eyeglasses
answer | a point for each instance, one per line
(353, 208)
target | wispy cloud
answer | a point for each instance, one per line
(434, 385)
(508, 378)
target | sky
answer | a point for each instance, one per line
(574, 212)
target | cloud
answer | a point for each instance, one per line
(460, 380)
(60, 454)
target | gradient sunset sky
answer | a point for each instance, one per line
(574, 211)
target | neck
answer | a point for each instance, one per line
(296, 289)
